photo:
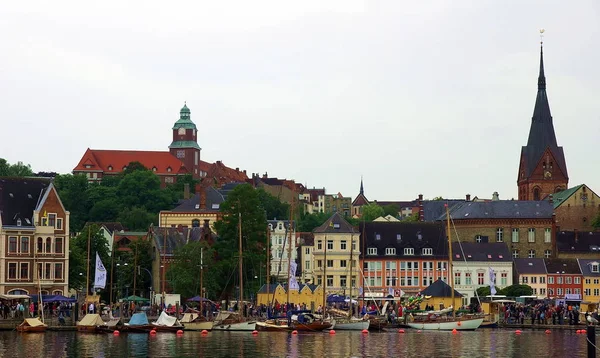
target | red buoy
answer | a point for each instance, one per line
(419, 331)
(204, 331)
(294, 332)
(254, 332)
(179, 332)
(400, 331)
(116, 333)
(547, 331)
(454, 331)
(331, 331)
(153, 332)
(365, 331)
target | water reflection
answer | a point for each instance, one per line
(483, 343)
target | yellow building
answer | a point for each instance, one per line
(590, 269)
(334, 243)
(440, 296)
(196, 211)
(310, 295)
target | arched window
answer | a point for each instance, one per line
(57, 292)
(44, 292)
(40, 244)
(48, 245)
(18, 291)
(536, 193)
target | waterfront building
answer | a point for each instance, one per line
(306, 245)
(564, 278)
(310, 295)
(590, 269)
(182, 158)
(578, 245)
(281, 247)
(402, 257)
(576, 208)
(542, 164)
(525, 227)
(34, 228)
(472, 263)
(108, 230)
(532, 272)
(336, 239)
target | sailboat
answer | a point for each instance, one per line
(235, 321)
(434, 322)
(35, 325)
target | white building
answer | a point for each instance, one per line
(471, 264)
(281, 249)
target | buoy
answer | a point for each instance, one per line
(419, 331)
(400, 331)
(204, 331)
(331, 331)
(255, 332)
(116, 333)
(518, 331)
(153, 332)
(578, 331)
(294, 332)
(459, 324)
(179, 332)
(365, 331)
(547, 331)
(454, 331)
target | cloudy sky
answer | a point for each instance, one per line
(431, 97)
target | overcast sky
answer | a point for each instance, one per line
(431, 97)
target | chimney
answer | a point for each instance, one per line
(202, 195)
(186, 191)
(495, 196)
(421, 211)
(468, 197)
(237, 170)
(244, 171)
(265, 175)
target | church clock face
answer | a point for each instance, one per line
(181, 131)
(181, 154)
(547, 174)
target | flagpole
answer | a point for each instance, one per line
(87, 284)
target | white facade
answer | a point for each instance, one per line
(307, 263)
(469, 276)
(281, 249)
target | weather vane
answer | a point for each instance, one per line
(542, 36)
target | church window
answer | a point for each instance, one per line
(181, 131)
(536, 194)
(181, 154)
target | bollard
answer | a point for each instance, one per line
(591, 341)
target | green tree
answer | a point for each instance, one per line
(412, 218)
(132, 167)
(15, 170)
(371, 212)
(141, 188)
(390, 209)
(136, 218)
(79, 253)
(483, 291)
(72, 190)
(242, 202)
(4, 168)
(184, 273)
(438, 198)
(138, 259)
(308, 222)
(274, 207)
(516, 290)
(596, 222)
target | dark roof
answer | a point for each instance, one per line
(360, 200)
(569, 266)
(578, 242)
(541, 133)
(417, 235)
(530, 266)
(110, 226)
(502, 209)
(434, 209)
(212, 197)
(272, 288)
(440, 289)
(306, 239)
(335, 225)
(314, 193)
(585, 265)
(19, 197)
(481, 251)
(175, 238)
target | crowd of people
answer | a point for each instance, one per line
(540, 313)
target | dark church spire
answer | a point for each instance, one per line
(362, 191)
(542, 76)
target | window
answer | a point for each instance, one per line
(515, 254)
(24, 271)
(58, 245)
(588, 281)
(550, 292)
(169, 180)
(390, 251)
(542, 279)
(596, 292)
(398, 237)
(377, 237)
(409, 251)
(48, 271)
(329, 263)
(12, 271)
(329, 280)
(503, 279)
(515, 235)
(24, 244)
(587, 292)
(48, 247)
(500, 234)
(307, 250)
(468, 278)
(559, 280)
(596, 281)
(559, 291)
(547, 254)
(480, 278)
(343, 263)
(307, 265)
(319, 263)
(531, 254)
(390, 265)
(533, 280)
(12, 244)
(319, 280)
(58, 271)
(59, 224)
(547, 235)
(372, 251)
(524, 280)
(594, 267)
(343, 280)
(329, 244)
(457, 278)
(52, 220)
(531, 235)
(550, 280)
(353, 245)
(343, 245)
(568, 280)
(45, 219)
(543, 291)
(319, 245)
(577, 280)
(427, 251)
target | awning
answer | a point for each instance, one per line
(14, 297)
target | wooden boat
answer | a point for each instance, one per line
(115, 324)
(378, 323)
(447, 324)
(138, 323)
(273, 325)
(90, 323)
(166, 323)
(232, 321)
(306, 321)
(195, 322)
(32, 325)
(351, 324)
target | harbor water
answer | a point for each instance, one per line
(481, 343)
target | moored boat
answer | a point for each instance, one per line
(166, 323)
(351, 324)
(449, 324)
(195, 322)
(115, 324)
(138, 323)
(32, 325)
(232, 321)
(307, 321)
(90, 323)
(273, 325)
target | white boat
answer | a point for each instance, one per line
(231, 321)
(193, 322)
(438, 312)
(353, 324)
(448, 325)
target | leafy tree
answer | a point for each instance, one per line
(46, 174)
(4, 168)
(105, 210)
(484, 291)
(390, 210)
(184, 273)
(517, 290)
(412, 218)
(73, 193)
(141, 188)
(438, 198)
(132, 167)
(136, 218)
(274, 207)
(79, 253)
(308, 222)
(138, 255)
(15, 170)
(371, 212)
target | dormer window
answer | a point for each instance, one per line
(595, 267)
(18, 222)
(168, 169)
(390, 251)
(336, 226)
(427, 251)
(398, 237)
(372, 251)
(88, 166)
(409, 251)
(154, 169)
(110, 168)
(377, 237)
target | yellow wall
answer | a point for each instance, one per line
(305, 297)
(168, 218)
(591, 286)
(337, 255)
(435, 301)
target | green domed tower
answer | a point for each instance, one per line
(185, 143)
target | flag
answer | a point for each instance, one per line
(293, 283)
(100, 278)
(492, 281)
(391, 291)
(360, 291)
(45, 214)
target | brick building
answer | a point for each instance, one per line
(542, 165)
(564, 278)
(576, 208)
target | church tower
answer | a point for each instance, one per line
(185, 144)
(542, 168)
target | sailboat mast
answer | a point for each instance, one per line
(350, 311)
(324, 277)
(87, 275)
(268, 270)
(450, 270)
(364, 239)
(240, 262)
(201, 274)
(290, 228)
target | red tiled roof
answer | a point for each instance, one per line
(116, 160)
(220, 174)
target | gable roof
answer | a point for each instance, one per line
(569, 266)
(578, 242)
(416, 235)
(175, 238)
(116, 160)
(19, 197)
(526, 266)
(212, 197)
(585, 265)
(360, 200)
(440, 289)
(560, 197)
(111, 227)
(434, 209)
(335, 225)
(480, 251)
(218, 174)
(502, 209)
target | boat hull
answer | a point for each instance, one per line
(311, 327)
(29, 329)
(198, 326)
(87, 329)
(464, 325)
(143, 328)
(272, 327)
(239, 326)
(159, 328)
(351, 325)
